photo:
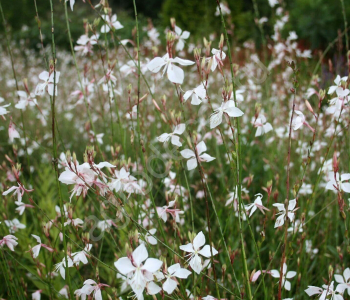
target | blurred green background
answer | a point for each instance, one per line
(316, 21)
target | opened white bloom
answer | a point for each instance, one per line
(337, 104)
(282, 212)
(262, 126)
(48, 84)
(124, 182)
(175, 139)
(227, 107)
(89, 287)
(174, 271)
(25, 100)
(163, 211)
(14, 225)
(224, 10)
(344, 280)
(217, 58)
(325, 291)
(256, 204)
(111, 23)
(336, 184)
(85, 44)
(10, 241)
(338, 81)
(149, 237)
(138, 273)
(285, 276)
(36, 295)
(191, 156)
(175, 74)
(81, 256)
(182, 36)
(299, 120)
(71, 2)
(61, 266)
(197, 94)
(36, 249)
(3, 110)
(13, 133)
(194, 249)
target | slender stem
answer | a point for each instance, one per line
(54, 153)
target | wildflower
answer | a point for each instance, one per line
(344, 280)
(81, 255)
(18, 190)
(162, 212)
(233, 196)
(49, 82)
(13, 133)
(194, 250)
(25, 100)
(229, 108)
(325, 291)
(89, 287)
(36, 249)
(14, 225)
(336, 184)
(111, 23)
(262, 126)
(139, 274)
(61, 266)
(36, 295)
(224, 10)
(189, 154)
(10, 241)
(173, 272)
(175, 139)
(21, 207)
(109, 77)
(282, 212)
(197, 95)
(300, 121)
(182, 36)
(217, 58)
(3, 110)
(338, 81)
(85, 44)
(149, 237)
(174, 73)
(285, 283)
(257, 204)
(124, 182)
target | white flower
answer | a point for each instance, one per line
(194, 250)
(262, 126)
(282, 212)
(61, 266)
(198, 94)
(175, 139)
(111, 23)
(3, 110)
(14, 225)
(285, 276)
(337, 183)
(175, 74)
(217, 58)
(81, 255)
(344, 280)
(338, 81)
(25, 100)
(89, 287)
(139, 274)
(191, 156)
(162, 212)
(325, 291)
(229, 108)
(182, 36)
(256, 204)
(48, 83)
(149, 237)
(174, 271)
(10, 241)
(224, 10)
(36, 295)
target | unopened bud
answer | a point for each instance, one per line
(221, 43)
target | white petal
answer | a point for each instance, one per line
(152, 265)
(196, 264)
(156, 64)
(201, 147)
(169, 285)
(187, 153)
(187, 248)
(205, 251)
(199, 240)
(175, 74)
(191, 163)
(215, 119)
(124, 265)
(140, 254)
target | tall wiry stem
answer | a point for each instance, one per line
(54, 152)
(238, 162)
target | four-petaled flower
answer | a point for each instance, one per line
(282, 212)
(227, 107)
(111, 23)
(194, 249)
(175, 139)
(191, 156)
(256, 204)
(285, 275)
